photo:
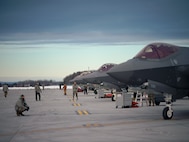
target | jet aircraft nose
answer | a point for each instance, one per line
(123, 71)
(145, 64)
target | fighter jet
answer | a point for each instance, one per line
(164, 66)
(100, 76)
(79, 78)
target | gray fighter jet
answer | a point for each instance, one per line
(101, 76)
(79, 78)
(164, 66)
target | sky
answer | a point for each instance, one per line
(50, 39)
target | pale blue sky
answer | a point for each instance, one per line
(52, 39)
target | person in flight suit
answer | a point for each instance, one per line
(75, 88)
(21, 106)
(65, 89)
(5, 90)
(151, 99)
(37, 92)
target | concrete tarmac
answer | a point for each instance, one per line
(57, 118)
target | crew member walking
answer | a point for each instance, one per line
(5, 90)
(37, 92)
(65, 89)
(75, 88)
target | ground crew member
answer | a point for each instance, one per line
(75, 88)
(21, 106)
(85, 89)
(65, 89)
(5, 90)
(151, 99)
(37, 92)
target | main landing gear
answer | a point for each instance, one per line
(168, 111)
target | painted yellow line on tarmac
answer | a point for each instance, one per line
(79, 112)
(87, 125)
(93, 125)
(82, 112)
(85, 112)
(76, 104)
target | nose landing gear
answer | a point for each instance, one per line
(168, 111)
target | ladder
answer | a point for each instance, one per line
(141, 98)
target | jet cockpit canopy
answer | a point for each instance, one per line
(106, 67)
(157, 51)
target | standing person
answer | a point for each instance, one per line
(151, 99)
(85, 89)
(75, 88)
(5, 90)
(37, 92)
(21, 106)
(65, 89)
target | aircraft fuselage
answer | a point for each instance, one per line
(172, 70)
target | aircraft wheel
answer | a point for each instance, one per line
(167, 113)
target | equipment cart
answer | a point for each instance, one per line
(124, 99)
